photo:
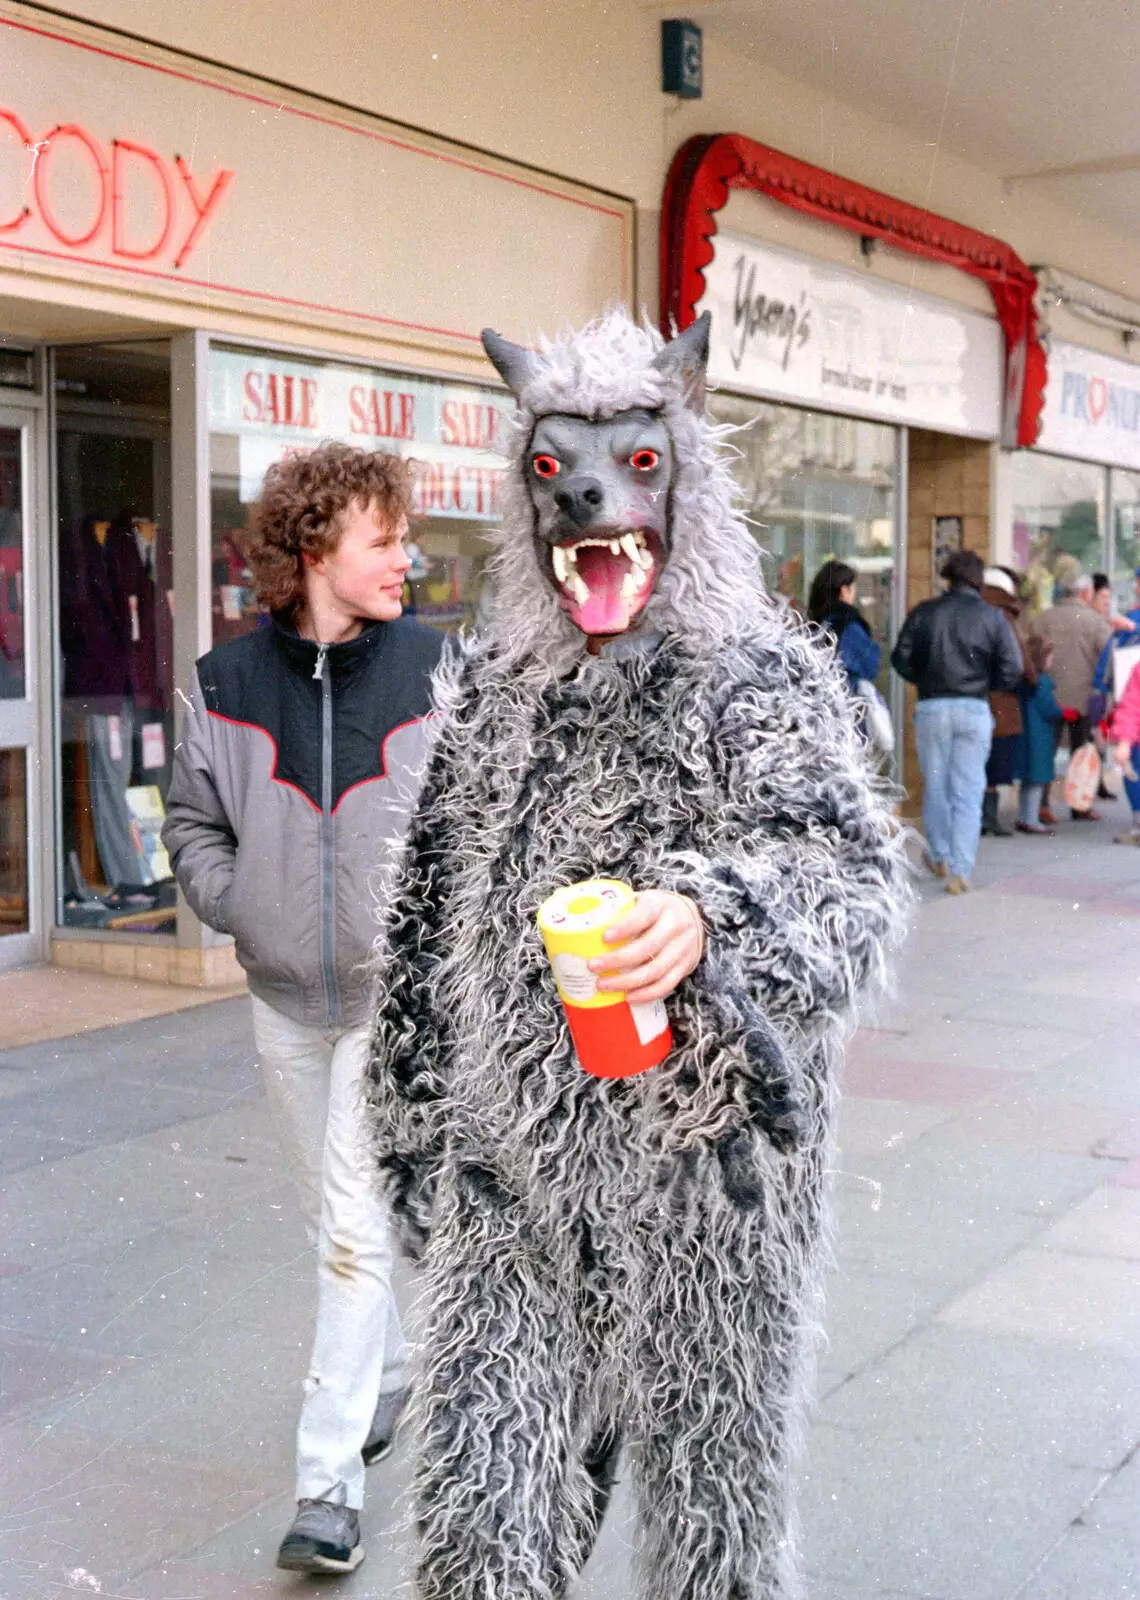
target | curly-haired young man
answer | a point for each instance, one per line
(298, 765)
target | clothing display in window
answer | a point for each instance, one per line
(116, 635)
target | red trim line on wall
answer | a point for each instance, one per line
(705, 168)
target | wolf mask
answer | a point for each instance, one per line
(605, 452)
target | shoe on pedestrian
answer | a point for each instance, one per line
(1131, 837)
(938, 868)
(385, 1422)
(1034, 827)
(1091, 815)
(991, 820)
(956, 885)
(1048, 816)
(323, 1538)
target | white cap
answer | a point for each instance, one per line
(995, 578)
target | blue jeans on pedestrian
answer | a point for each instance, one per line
(953, 737)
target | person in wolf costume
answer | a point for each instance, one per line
(623, 1262)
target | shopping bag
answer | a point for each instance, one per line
(875, 717)
(1111, 777)
(1082, 779)
(1124, 659)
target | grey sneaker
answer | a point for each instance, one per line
(323, 1538)
(385, 1421)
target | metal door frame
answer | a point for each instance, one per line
(27, 724)
(899, 592)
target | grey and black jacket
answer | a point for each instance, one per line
(294, 779)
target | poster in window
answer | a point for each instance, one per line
(946, 538)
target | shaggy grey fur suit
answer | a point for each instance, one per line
(632, 1260)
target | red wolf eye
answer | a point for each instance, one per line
(546, 466)
(644, 460)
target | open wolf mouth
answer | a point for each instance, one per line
(604, 580)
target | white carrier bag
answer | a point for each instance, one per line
(876, 717)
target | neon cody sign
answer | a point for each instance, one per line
(92, 198)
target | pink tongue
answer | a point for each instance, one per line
(604, 611)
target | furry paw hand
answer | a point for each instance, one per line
(664, 940)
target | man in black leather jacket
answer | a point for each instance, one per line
(957, 651)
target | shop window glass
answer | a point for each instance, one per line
(262, 406)
(817, 487)
(116, 612)
(1058, 520)
(12, 683)
(1126, 537)
(13, 842)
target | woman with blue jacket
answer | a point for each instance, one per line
(831, 604)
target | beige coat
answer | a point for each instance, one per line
(1078, 634)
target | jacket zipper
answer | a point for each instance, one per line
(328, 932)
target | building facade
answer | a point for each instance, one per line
(218, 244)
(197, 276)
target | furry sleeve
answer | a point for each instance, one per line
(410, 1056)
(800, 874)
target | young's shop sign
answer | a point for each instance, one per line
(788, 327)
(1092, 407)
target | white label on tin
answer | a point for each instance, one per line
(574, 977)
(650, 1020)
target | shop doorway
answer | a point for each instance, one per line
(114, 616)
(21, 932)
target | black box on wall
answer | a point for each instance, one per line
(681, 59)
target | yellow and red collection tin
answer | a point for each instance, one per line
(612, 1038)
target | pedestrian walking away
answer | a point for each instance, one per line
(1078, 635)
(1040, 715)
(1001, 588)
(298, 767)
(957, 651)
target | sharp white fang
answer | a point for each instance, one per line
(558, 555)
(632, 585)
(615, 547)
(630, 549)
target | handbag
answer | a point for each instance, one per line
(1083, 778)
(1111, 777)
(875, 717)
(1124, 659)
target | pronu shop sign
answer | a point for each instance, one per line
(1092, 406)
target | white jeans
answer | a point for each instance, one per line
(313, 1080)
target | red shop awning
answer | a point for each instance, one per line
(706, 167)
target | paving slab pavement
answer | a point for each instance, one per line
(977, 1432)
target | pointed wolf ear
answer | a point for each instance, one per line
(686, 358)
(514, 365)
